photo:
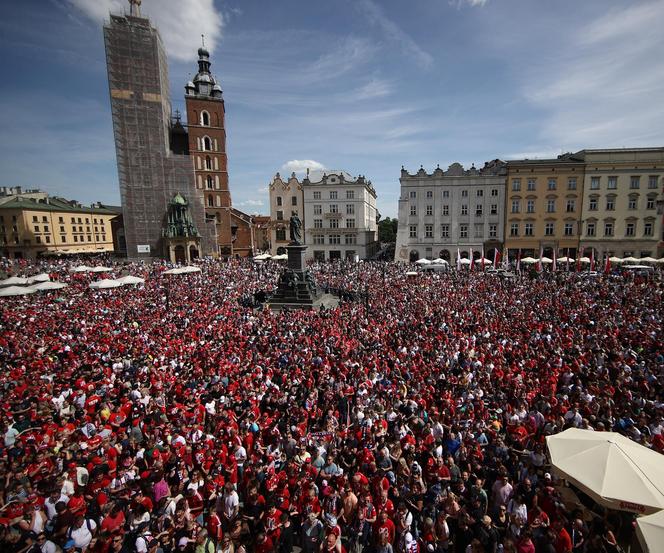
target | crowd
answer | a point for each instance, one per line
(170, 417)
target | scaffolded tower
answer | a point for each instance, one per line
(150, 174)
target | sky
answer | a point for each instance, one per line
(361, 85)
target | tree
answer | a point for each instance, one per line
(387, 230)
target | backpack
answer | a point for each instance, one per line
(71, 529)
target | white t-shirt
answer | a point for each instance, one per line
(82, 536)
(231, 501)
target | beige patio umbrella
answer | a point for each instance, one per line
(647, 260)
(14, 281)
(15, 291)
(615, 471)
(631, 259)
(44, 286)
(650, 531)
(616, 259)
(546, 260)
(584, 259)
(130, 279)
(105, 284)
(529, 260)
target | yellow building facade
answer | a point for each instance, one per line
(35, 227)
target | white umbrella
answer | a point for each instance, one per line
(616, 259)
(464, 261)
(650, 531)
(14, 281)
(423, 261)
(129, 279)
(486, 261)
(613, 470)
(565, 259)
(48, 286)
(584, 260)
(81, 269)
(100, 269)
(412, 273)
(439, 261)
(529, 260)
(172, 272)
(660, 260)
(189, 269)
(546, 260)
(647, 260)
(631, 259)
(42, 277)
(280, 257)
(15, 291)
(105, 284)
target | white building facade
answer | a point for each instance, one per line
(338, 213)
(443, 211)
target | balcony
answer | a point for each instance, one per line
(333, 216)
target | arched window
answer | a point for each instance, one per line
(207, 144)
(210, 200)
(205, 119)
(208, 163)
(209, 182)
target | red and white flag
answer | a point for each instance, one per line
(607, 265)
(496, 258)
(578, 260)
(472, 260)
(539, 262)
(518, 261)
(567, 260)
(458, 259)
(554, 267)
(592, 259)
(482, 259)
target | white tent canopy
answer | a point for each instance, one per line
(279, 257)
(647, 260)
(105, 284)
(183, 270)
(486, 261)
(660, 260)
(129, 279)
(439, 261)
(650, 531)
(14, 281)
(565, 259)
(584, 260)
(81, 269)
(423, 261)
(42, 286)
(100, 269)
(616, 259)
(464, 261)
(15, 291)
(529, 260)
(615, 471)
(546, 260)
(631, 259)
(41, 277)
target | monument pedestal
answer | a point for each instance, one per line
(297, 288)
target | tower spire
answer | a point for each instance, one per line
(135, 8)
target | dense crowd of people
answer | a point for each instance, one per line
(171, 417)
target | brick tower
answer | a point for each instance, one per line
(207, 148)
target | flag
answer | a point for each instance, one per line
(458, 259)
(568, 260)
(518, 261)
(472, 260)
(539, 263)
(506, 263)
(578, 260)
(607, 266)
(592, 259)
(496, 258)
(554, 267)
(482, 260)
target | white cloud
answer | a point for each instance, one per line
(375, 88)
(472, 3)
(301, 165)
(392, 32)
(180, 23)
(251, 203)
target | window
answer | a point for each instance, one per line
(62, 229)
(551, 184)
(516, 185)
(650, 203)
(493, 231)
(446, 193)
(207, 144)
(479, 230)
(46, 228)
(38, 239)
(608, 229)
(280, 201)
(413, 194)
(531, 185)
(35, 219)
(208, 182)
(590, 229)
(318, 223)
(429, 194)
(350, 194)
(333, 194)
(280, 215)
(293, 200)
(494, 209)
(350, 209)
(592, 205)
(530, 206)
(444, 231)
(61, 220)
(480, 193)
(549, 229)
(36, 228)
(550, 206)
(208, 163)
(413, 231)
(528, 229)
(205, 119)
(334, 223)
(446, 210)
(594, 183)
(350, 239)
(569, 229)
(570, 206)
(75, 238)
(494, 192)
(516, 206)
(334, 208)
(647, 228)
(478, 209)
(630, 229)
(612, 183)
(318, 209)
(631, 202)
(429, 210)
(464, 193)
(634, 183)
(44, 219)
(610, 203)
(335, 239)
(463, 231)
(413, 210)
(318, 239)
(63, 238)
(652, 181)
(571, 183)
(514, 229)
(464, 209)
(350, 223)
(428, 231)
(317, 195)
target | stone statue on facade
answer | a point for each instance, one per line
(295, 230)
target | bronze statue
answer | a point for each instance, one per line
(295, 230)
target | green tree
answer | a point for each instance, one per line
(387, 229)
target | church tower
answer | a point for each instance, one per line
(207, 148)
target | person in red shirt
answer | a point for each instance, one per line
(563, 542)
(114, 520)
(384, 525)
(263, 544)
